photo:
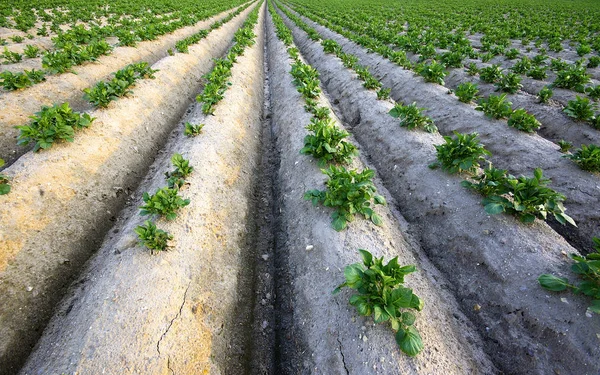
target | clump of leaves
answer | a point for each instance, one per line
(350, 192)
(571, 77)
(593, 92)
(176, 178)
(466, 92)
(495, 106)
(472, 69)
(369, 81)
(331, 46)
(512, 54)
(31, 51)
(153, 238)
(545, 94)
(583, 49)
(538, 72)
(593, 62)
(306, 80)
(11, 57)
(463, 153)
(588, 269)
(412, 117)
(526, 197)
(491, 74)
(382, 295)
(523, 121)
(349, 61)
(17, 38)
(327, 142)
(433, 72)
(192, 130)
(510, 82)
(52, 123)
(558, 64)
(522, 66)
(580, 109)
(165, 202)
(384, 93)
(15, 81)
(565, 146)
(587, 157)
(4, 181)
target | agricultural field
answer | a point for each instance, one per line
(300, 186)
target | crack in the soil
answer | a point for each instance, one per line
(342, 353)
(171, 323)
(169, 366)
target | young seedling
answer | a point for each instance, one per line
(588, 269)
(463, 153)
(382, 294)
(522, 66)
(153, 238)
(495, 106)
(523, 121)
(593, 92)
(545, 94)
(587, 157)
(31, 51)
(472, 69)
(176, 178)
(192, 130)
(164, 202)
(580, 109)
(349, 192)
(412, 117)
(538, 73)
(52, 123)
(466, 92)
(433, 72)
(384, 93)
(491, 74)
(11, 57)
(565, 146)
(327, 143)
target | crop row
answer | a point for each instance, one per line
(442, 208)
(83, 195)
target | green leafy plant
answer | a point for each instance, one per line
(11, 57)
(350, 192)
(4, 181)
(327, 142)
(384, 93)
(331, 46)
(583, 49)
(192, 130)
(593, 62)
(512, 54)
(565, 146)
(523, 121)
(580, 109)
(176, 178)
(412, 117)
(558, 64)
(587, 157)
(495, 106)
(522, 66)
(15, 81)
(588, 269)
(433, 72)
(466, 92)
(526, 197)
(349, 61)
(463, 153)
(153, 238)
(593, 92)
(538, 72)
(31, 51)
(382, 295)
(545, 94)
(165, 202)
(571, 77)
(491, 74)
(52, 123)
(17, 38)
(472, 69)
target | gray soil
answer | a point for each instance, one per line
(520, 153)
(525, 329)
(65, 199)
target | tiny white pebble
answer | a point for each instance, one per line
(309, 247)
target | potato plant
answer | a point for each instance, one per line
(381, 294)
(523, 121)
(491, 74)
(463, 153)
(587, 268)
(466, 92)
(58, 122)
(580, 109)
(165, 202)
(545, 94)
(350, 192)
(495, 106)
(565, 146)
(510, 82)
(433, 72)
(16, 81)
(192, 130)
(176, 178)
(153, 238)
(327, 143)
(412, 117)
(587, 157)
